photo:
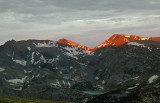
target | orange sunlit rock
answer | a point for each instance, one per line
(115, 40)
(154, 38)
(68, 42)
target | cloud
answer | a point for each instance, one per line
(77, 19)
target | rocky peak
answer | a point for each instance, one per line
(116, 40)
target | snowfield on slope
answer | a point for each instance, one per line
(140, 45)
(73, 52)
(2, 69)
(21, 62)
(153, 79)
(136, 44)
(49, 44)
(16, 81)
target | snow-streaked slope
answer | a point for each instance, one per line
(153, 78)
(44, 44)
(2, 69)
(21, 62)
(136, 44)
(16, 81)
(73, 52)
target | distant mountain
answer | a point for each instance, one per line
(115, 40)
(66, 71)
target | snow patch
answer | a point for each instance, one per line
(19, 89)
(64, 82)
(49, 44)
(53, 84)
(153, 78)
(37, 53)
(99, 54)
(136, 78)
(29, 48)
(103, 82)
(35, 63)
(97, 78)
(27, 71)
(24, 71)
(73, 52)
(133, 87)
(13, 55)
(69, 85)
(16, 81)
(38, 75)
(140, 45)
(56, 68)
(71, 55)
(32, 58)
(43, 59)
(2, 69)
(70, 67)
(85, 100)
(100, 87)
(60, 72)
(21, 62)
(58, 83)
(136, 44)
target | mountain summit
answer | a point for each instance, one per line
(115, 40)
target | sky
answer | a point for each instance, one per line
(87, 22)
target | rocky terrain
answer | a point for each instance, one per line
(120, 67)
(133, 92)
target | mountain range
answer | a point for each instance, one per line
(63, 70)
(115, 40)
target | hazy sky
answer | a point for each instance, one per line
(88, 22)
